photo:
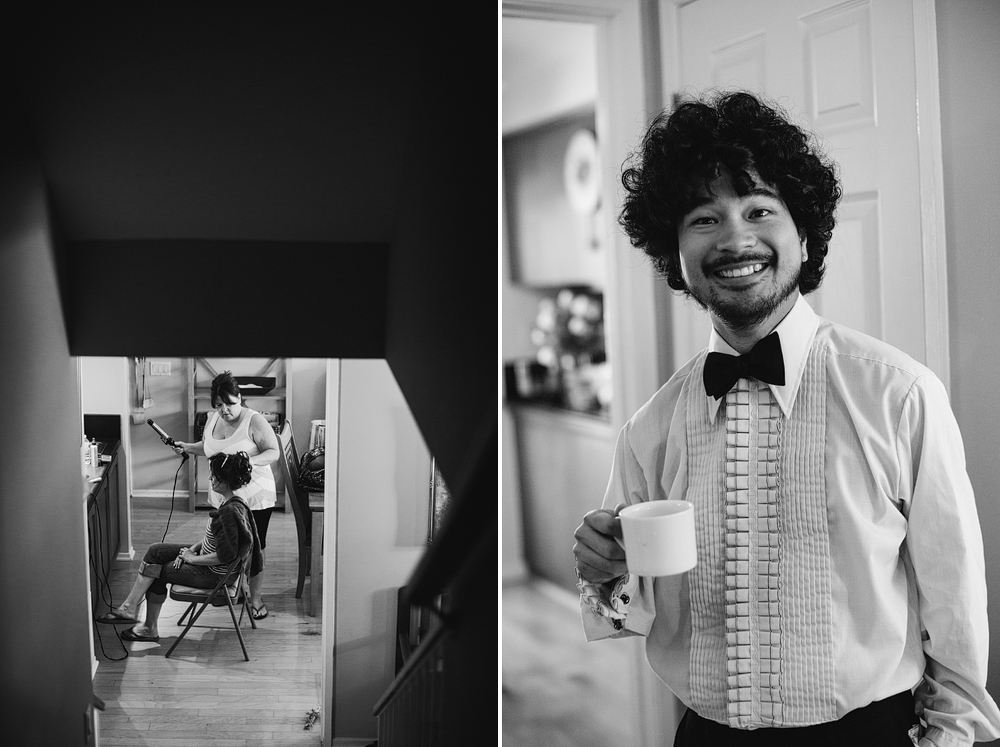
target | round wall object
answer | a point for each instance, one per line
(582, 173)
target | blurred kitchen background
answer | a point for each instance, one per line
(557, 379)
(558, 437)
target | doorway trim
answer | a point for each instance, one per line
(637, 319)
(328, 611)
(930, 164)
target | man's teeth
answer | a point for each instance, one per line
(742, 272)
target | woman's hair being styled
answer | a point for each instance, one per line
(231, 469)
(726, 134)
(224, 385)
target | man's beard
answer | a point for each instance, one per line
(743, 315)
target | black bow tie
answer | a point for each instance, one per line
(763, 362)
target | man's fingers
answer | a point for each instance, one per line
(604, 522)
(588, 556)
(596, 565)
(594, 575)
(598, 542)
(599, 557)
(601, 571)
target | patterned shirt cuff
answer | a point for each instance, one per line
(609, 600)
(939, 738)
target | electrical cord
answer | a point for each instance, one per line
(173, 495)
(104, 589)
(104, 586)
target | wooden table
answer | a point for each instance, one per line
(316, 502)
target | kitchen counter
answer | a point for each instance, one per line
(103, 496)
(564, 458)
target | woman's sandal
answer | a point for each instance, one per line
(116, 618)
(258, 613)
(131, 635)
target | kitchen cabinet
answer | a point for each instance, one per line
(103, 526)
(565, 461)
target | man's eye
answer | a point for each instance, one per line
(760, 213)
(702, 220)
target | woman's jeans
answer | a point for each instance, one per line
(158, 564)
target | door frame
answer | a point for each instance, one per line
(636, 301)
(934, 249)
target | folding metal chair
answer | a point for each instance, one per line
(234, 577)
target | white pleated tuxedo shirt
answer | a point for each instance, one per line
(840, 558)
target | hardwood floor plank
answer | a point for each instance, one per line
(558, 689)
(206, 694)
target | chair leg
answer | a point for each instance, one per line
(244, 599)
(239, 633)
(186, 613)
(191, 621)
(246, 609)
(245, 606)
(303, 568)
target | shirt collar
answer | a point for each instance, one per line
(796, 332)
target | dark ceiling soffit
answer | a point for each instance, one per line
(190, 297)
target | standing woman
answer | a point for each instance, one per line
(232, 428)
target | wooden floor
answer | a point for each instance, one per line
(558, 689)
(206, 694)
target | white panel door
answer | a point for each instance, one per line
(847, 71)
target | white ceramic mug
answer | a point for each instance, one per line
(659, 537)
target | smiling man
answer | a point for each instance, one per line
(839, 595)
(741, 256)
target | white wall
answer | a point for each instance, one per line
(970, 118)
(519, 303)
(308, 384)
(154, 465)
(549, 69)
(104, 385)
(45, 633)
(104, 390)
(382, 508)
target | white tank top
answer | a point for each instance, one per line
(260, 493)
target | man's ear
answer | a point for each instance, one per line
(803, 242)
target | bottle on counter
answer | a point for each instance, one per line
(85, 458)
(95, 459)
(90, 459)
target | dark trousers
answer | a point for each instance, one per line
(262, 518)
(884, 723)
(158, 564)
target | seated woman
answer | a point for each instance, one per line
(230, 532)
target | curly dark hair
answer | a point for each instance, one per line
(225, 385)
(734, 134)
(232, 469)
